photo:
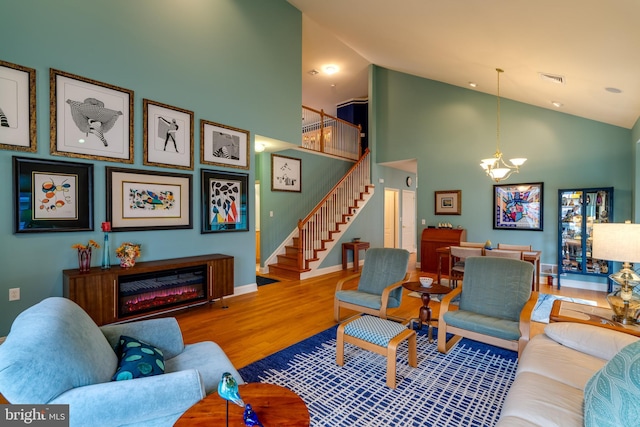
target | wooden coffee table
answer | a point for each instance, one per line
(274, 405)
(425, 294)
(566, 311)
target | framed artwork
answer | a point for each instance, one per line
(517, 206)
(224, 201)
(52, 195)
(168, 136)
(286, 173)
(90, 119)
(222, 145)
(448, 202)
(18, 129)
(148, 200)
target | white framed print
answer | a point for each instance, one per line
(223, 145)
(168, 136)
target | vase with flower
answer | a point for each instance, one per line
(128, 252)
(84, 255)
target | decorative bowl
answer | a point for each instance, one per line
(426, 281)
(355, 239)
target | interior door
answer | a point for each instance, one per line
(391, 218)
(409, 236)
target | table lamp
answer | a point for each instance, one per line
(621, 243)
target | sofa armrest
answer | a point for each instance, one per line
(133, 401)
(163, 333)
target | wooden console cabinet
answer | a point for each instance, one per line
(98, 291)
(434, 238)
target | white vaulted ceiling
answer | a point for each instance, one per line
(592, 44)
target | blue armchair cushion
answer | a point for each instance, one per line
(137, 359)
(496, 287)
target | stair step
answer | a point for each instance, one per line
(288, 260)
(286, 271)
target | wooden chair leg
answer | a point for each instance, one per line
(391, 365)
(340, 346)
(413, 350)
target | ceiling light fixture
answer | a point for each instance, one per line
(314, 72)
(495, 167)
(473, 84)
(557, 104)
(331, 69)
(259, 147)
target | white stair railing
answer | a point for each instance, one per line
(332, 211)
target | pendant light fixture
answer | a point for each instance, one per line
(495, 167)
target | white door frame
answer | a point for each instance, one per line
(409, 218)
(391, 213)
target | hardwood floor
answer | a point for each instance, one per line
(281, 314)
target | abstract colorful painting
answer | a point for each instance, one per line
(518, 206)
(225, 201)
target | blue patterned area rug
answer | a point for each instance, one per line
(465, 387)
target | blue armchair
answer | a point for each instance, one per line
(380, 284)
(56, 354)
(495, 304)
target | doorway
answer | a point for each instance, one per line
(391, 217)
(409, 236)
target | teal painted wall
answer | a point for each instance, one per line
(635, 140)
(449, 129)
(319, 175)
(224, 59)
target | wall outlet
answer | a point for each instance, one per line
(14, 294)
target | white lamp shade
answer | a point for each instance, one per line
(616, 242)
(519, 161)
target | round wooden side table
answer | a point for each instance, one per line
(425, 294)
(274, 405)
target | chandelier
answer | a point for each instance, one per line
(495, 167)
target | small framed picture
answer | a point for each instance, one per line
(146, 200)
(225, 204)
(52, 195)
(222, 145)
(90, 119)
(18, 130)
(286, 173)
(168, 136)
(448, 202)
(517, 206)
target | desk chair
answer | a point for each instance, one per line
(457, 260)
(502, 253)
(514, 247)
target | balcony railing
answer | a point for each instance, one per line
(330, 135)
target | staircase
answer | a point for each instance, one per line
(318, 233)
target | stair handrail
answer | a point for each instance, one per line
(303, 223)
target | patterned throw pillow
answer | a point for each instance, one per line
(612, 395)
(137, 359)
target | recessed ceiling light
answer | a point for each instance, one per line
(314, 72)
(557, 104)
(473, 84)
(613, 89)
(331, 69)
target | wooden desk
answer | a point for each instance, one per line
(566, 311)
(355, 247)
(274, 405)
(530, 256)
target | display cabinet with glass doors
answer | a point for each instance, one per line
(578, 210)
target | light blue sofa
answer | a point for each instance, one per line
(56, 354)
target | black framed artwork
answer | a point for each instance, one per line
(52, 195)
(225, 204)
(148, 200)
(518, 206)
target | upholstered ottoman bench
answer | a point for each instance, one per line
(380, 336)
